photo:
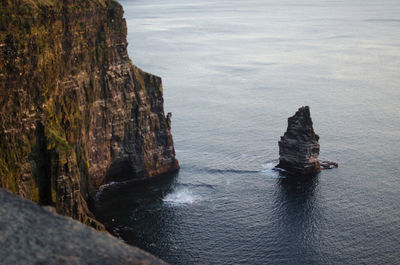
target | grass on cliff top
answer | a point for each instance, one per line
(37, 3)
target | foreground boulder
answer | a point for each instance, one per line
(30, 234)
(299, 147)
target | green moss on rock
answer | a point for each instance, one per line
(73, 106)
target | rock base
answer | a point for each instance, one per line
(328, 164)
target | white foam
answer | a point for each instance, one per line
(181, 196)
(269, 166)
(271, 170)
(102, 187)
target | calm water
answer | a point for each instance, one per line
(233, 72)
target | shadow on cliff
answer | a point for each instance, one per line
(114, 200)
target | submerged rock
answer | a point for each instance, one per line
(299, 147)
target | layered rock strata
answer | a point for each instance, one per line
(74, 112)
(31, 235)
(299, 147)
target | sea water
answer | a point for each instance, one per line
(233, 72)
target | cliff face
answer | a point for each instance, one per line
(74, 112)
(299, 147)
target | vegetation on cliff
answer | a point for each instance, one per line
(75, 113)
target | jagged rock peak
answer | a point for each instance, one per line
(299, 147)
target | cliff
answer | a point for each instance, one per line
(74, 112)
(31, 235)
(299, 146)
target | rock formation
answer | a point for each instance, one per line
(299, 147)
(31, 235)
(328, 164)
(74, 112)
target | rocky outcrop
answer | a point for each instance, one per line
(299, 147)
(31, 235)
(74, 112)
(328, 164)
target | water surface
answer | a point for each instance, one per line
(233, 72)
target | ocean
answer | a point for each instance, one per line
(233, 72)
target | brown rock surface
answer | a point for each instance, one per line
(74, 112)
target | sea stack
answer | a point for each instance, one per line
(299, 147)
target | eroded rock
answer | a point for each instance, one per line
(299, 147)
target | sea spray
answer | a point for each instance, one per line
(182, 195)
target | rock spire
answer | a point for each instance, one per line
(299, 147)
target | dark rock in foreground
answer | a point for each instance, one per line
(299, 147)
(30, 234)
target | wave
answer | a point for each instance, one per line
(182, 195)
(270, 165)
(104, 187)
(271, 170)
(383, 20)
(235, 171)
(189, 193)
(200, 185)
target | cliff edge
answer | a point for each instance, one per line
(74, 112)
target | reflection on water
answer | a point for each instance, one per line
(298, 215)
